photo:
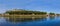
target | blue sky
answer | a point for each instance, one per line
(39, 5)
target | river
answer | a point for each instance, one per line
(47, 21)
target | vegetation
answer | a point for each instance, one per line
(57, 14)
(51, 13)
(26, 12)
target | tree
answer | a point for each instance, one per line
(25, 12)
(51, 13)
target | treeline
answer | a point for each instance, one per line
(26, 12)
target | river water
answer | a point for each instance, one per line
(46, 21)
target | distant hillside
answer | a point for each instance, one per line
(25, 12)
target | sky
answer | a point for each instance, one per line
(38, 5)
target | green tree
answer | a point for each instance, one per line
(51, 13)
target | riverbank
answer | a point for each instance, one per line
(22, 15)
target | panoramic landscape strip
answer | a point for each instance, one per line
(21, 12)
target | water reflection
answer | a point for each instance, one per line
(2, 20)
(28, 19)
(50, 20)
(25, 19)
(52, 17)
